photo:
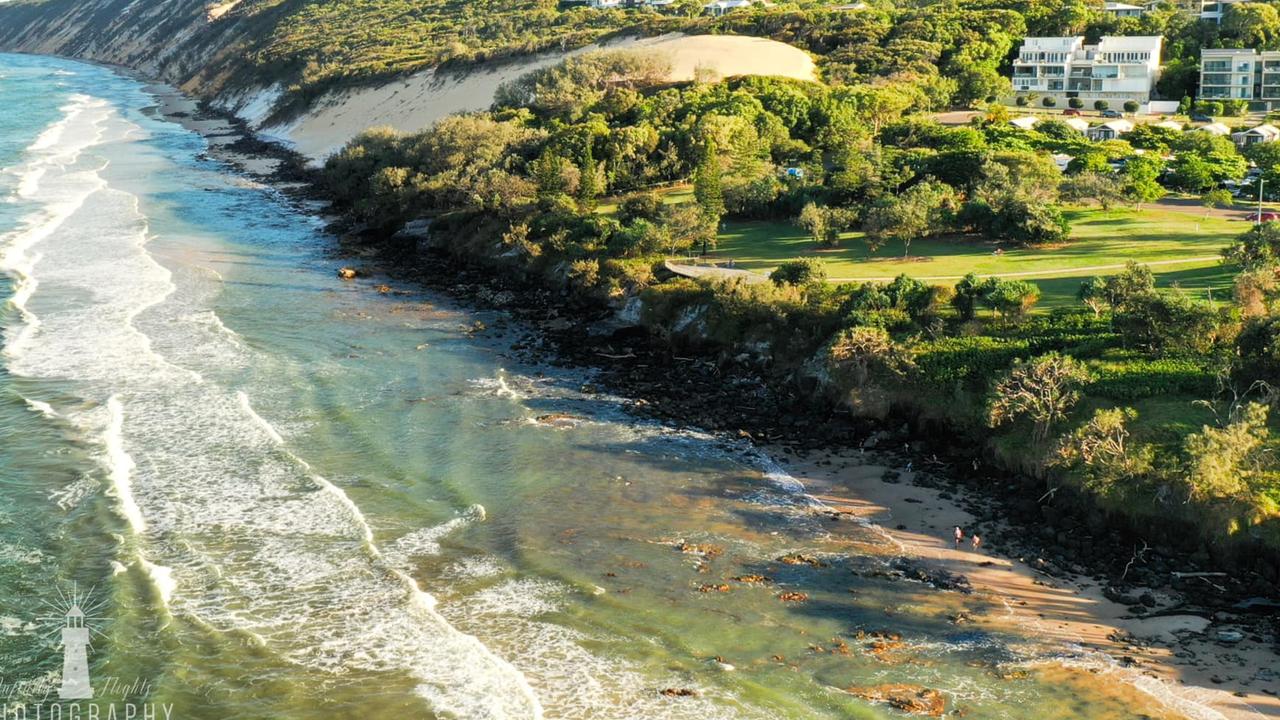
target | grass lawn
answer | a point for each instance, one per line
(1181, 247)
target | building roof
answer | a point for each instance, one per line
(1062, 44)
(1130, 43)
(1229, 52)
(1116, 126)
(1215, 128)
(1265, 130)
(1076, 123)
(1119, 6)
(1171, 124)
(1026, 122)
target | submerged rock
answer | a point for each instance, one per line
(911, 699)
(347, 273)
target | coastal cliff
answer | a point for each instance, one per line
(187, 44)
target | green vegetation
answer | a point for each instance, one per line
(841, 192)
(1105, 239)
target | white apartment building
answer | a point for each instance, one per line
(1241, 74)
(1116, 69)
(1214, 9)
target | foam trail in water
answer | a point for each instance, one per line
(120, 465)
(233, 530)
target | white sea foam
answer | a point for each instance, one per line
(120, 466)
(233, 529)
(427, 540)
(42, 407)
(578, 682)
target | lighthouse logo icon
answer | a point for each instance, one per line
(74, 621)
(75, 657)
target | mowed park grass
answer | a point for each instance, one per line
(1181, 248)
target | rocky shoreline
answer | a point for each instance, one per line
(1055, 534)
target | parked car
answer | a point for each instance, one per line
(1201, 117)
(1263, 217)
(1071, 111)
(1112, 114)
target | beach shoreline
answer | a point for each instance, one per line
(1194, 672)
(1068, 608)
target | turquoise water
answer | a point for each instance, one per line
(285, 496)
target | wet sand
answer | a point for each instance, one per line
(1206, 679)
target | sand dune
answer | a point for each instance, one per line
(422, 98)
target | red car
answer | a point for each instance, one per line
(1071, 111)
(1263, 217)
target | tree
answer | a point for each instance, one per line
(707, 190)
(1075, 102)
(1216, 199)
(968, 296)
(1131, 106)
(1166, 323)
(1021, 101)
(1231, 464)
(1254, 24)
(1042, 390)
(923, 209)
(1141, 177)
(825, 223)
(591, 183)
(1049, 101)
(855, 352)
(1184, 105)
(1093, 293)
(1257, 248)
(1099, 451)
(1101, 105)
(1011, 298)
(801, 271)
(554, 175)
(1089, 186)
(1134, 282)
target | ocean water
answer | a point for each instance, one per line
(279, 495)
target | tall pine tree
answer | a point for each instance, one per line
(707, 191)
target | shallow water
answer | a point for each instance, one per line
(286, 496)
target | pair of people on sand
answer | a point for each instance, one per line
(974, 539)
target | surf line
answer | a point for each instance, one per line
(424, 600)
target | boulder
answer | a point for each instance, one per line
(910, 699)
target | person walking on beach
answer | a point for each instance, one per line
(959, 535)
(977, 542)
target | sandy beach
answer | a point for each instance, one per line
(1177, 658)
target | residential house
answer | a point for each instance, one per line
(1024, 123)
(722, 7)
(602, 4)
(1170, 125)
(1214, 9)
(1080, 125)
(1109, 130)
(1259, 134)
(1116, 69)
(1241, 74)
(1119, 9)
(1214, 129)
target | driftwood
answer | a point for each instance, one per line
(1181, 575)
